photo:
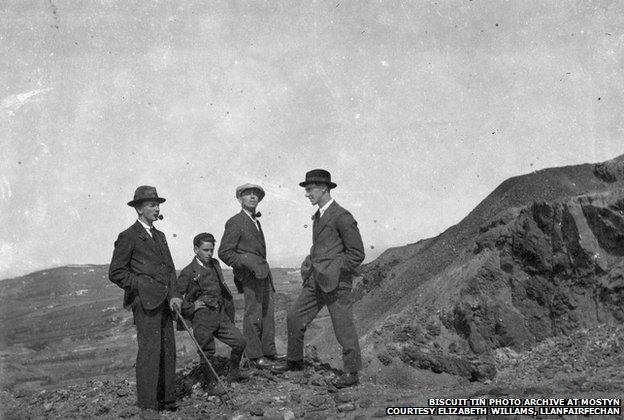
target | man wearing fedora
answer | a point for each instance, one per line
(244, 249)
(143, 267)
(327, 274)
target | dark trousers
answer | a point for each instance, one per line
(156, 358)
(259, 321)
(210, 323)
(304, 310)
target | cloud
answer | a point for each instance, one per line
(12, 103)
(8, 257)
(282, 193)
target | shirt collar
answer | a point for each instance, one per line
(248, 213)
(147, 228)
(324, 208)
(200, 263)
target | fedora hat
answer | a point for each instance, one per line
(145, 193)
(318, 176)
(241, 188)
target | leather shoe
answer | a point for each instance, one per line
(289, 365)
(261, 363)
(345, 380)
(276, 357)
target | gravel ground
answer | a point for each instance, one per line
(586, 364)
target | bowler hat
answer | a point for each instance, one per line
(241, 188)
(145, 193)
(318, 176)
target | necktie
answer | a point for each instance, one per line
(259, 228)
(315, 218)
(153, 232)
(254, 218)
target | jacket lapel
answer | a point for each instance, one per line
(251, 226)
(315, 224)
(196, 268)
(161, 244)
(145, 237)
(197, 273)
(327, 216)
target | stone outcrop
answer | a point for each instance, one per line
(542, 256)
(550, 269)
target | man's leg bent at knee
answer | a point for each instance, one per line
(300, 314)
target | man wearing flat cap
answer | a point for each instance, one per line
(243, 248)
(327, 274)
(143, 267)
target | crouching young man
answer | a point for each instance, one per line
(208, 304)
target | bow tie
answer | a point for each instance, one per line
(255, 215)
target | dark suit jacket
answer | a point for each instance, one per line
(243, 248)
(189, 285)
(336, 251)
(143, 267)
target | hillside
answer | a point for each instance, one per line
(67, 323)
(541, 256)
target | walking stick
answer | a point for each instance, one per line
(177, 311)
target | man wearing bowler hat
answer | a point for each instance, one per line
(327, 274)
(244, 249)
(143, 267)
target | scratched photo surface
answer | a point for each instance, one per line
(441, 122)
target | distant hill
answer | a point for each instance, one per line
(542, 255)
(67, 323)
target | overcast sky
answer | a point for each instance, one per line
(418, 109)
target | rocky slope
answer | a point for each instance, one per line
(585, 364)
(542, 256)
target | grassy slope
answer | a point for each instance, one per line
(67, 323)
